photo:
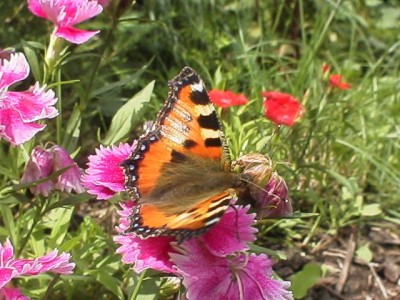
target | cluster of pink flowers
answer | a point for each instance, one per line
(215, 265)
(20, 113)
(11, 267)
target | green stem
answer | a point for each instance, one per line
(59, 106)
(135, 292)
(51, 285)
(26, 239)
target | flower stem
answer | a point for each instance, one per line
(138, 286)
(59, 106)
(26, 239)
(50, 287)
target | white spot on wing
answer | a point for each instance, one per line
(197, 86)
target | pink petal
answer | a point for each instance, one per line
(74, 35)
(12, 294)
(147, 253)
(35, 6)
(6, 251)
(34, 104)
(14, 130)
(40, 165)
(13, 70)
(70, 179)
(258, 283)
(232, 232)
(241, 276)
(84, 11)
(104, 177)
(125, 214)
(6, 274)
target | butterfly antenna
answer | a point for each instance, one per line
(254, 184)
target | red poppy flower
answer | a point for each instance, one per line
(281, 108)
(227, 98)
(336, 81)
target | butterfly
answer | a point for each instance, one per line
(180, 170)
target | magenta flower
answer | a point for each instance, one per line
(65, 14)
(12, 267)
(12, 294)
(240, 276)
(20, 111)
(44, 162)
(229, 235)
(104, 177)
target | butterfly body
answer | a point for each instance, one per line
(180, 171)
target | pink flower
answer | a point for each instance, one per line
(336, 80)
(142, 253)
(227, 98)
(239, 276)
(12, 294)
(43, 163)
(20, 111)
(12, 267)
(67, 13)
(281, 108)
(104, 177)
(230, 234)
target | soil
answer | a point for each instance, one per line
(350, 277)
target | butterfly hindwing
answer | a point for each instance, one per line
(149, 220)
(181, 166)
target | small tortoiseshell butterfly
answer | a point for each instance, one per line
(180, 171)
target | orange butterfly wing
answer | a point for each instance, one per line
(180, 170)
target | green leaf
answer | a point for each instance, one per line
(276, 255)
(70, 201)
(364, 253)
(127, 117)
(72, 131)
(8, 221)
(371, 210)
(62, 217)
(305, 279)
(108, 281)
(32, 60)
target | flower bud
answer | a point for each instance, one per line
(273, 199)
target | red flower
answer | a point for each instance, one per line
(227, 98)
(281, 108)
(336, 81)
(326, 68)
